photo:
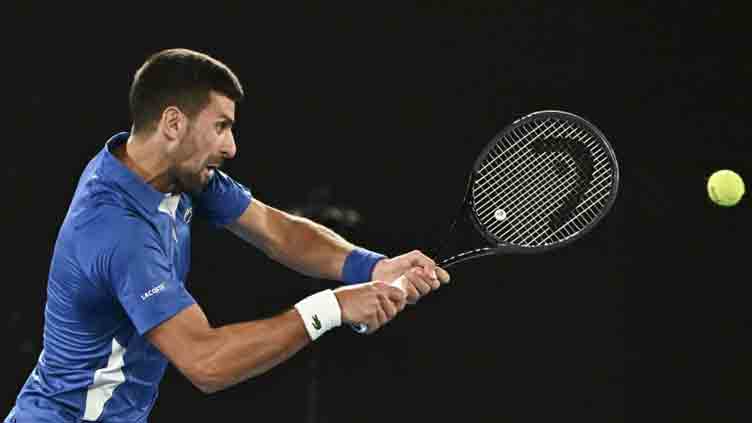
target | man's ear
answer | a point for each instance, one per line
(173, 124)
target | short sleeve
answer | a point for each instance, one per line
(223, 200)
(141, 276)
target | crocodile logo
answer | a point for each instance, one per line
(316, 322)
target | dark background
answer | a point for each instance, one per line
(382, 111)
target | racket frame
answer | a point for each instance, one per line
(500, 248)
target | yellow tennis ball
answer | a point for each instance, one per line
(725, 187)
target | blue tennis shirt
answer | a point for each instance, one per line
(118, 269)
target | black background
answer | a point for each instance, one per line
(384, 110)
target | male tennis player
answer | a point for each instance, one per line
(117, 307)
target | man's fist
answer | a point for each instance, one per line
(372, 303)
(420, 271)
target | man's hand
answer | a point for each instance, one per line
(422, 274)
(373, 303)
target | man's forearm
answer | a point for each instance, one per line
(297, 242)
(241, 351)
(313, 249)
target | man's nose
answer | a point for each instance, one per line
(228, 147)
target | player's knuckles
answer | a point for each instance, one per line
(389, 309)
(422, 259)
(397, 294)
(380, 297)
(430, 273)
(388, 290)
(401, 305)
(422, 286)
(415, 278)
(390, 313)
(379, 285)
(434, 283)
(428, 262)
(413, 295)
(422, 279)
(378, 307)
(372, 308)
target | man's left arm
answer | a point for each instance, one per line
(296, 242)
(315, 250)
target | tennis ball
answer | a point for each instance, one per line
(725, 187)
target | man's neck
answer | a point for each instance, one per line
(145, 158)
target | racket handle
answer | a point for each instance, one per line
(399, 283)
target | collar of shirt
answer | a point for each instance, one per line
(143, 194)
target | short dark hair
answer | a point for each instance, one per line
(178, 77)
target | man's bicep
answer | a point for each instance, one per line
(183, 339)
(263, 226)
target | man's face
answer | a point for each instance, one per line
(207, 143)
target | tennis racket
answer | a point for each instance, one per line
(543, 182)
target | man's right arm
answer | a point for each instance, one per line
(217, 358)
(213, 359)
(136, 264)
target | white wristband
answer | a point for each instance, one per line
(320, 312)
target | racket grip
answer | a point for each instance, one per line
(362, 327)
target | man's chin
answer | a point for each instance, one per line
(195, 185)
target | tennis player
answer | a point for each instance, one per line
(117, 306)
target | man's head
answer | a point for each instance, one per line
(187, 99)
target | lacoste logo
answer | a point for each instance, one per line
(316, 322)
(157, 289)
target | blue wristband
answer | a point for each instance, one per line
(359, 265)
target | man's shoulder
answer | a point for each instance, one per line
(101, 205)
(107, 219)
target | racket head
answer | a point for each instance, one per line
(541, 183)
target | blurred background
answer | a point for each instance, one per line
(367, 119)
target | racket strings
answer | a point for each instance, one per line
(530, 235)
(598, 204)
(527, 174)
(543, 181)
(531, 174)
(503, 151)
(523, 170)
(549, 217)
(493, 174)
(548, 187)
(509, 146)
